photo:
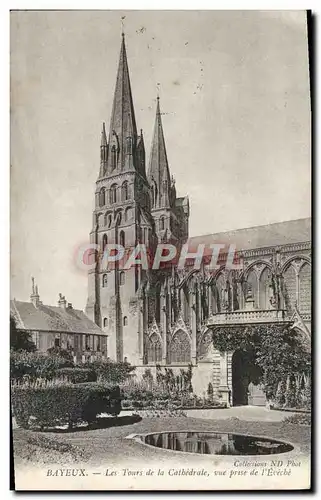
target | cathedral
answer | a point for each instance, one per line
(166, 316)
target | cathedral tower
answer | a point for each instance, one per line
(122, 216)
(169, 213)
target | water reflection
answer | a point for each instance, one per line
(216, 443)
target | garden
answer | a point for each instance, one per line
(48, 390)
(67, 413)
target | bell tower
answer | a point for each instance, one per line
(122, 216)
(169, 212)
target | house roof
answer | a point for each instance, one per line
(52, 318)
(276, 234)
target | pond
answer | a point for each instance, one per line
(215, 443)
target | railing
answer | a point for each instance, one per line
(251, 316)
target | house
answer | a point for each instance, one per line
(61, 326)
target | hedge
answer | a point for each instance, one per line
(35, 365)
(77, 375)
(52, 404)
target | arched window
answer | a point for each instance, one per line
(186, 308)
(102, 197)
(122, 238)
(266, 290)
(162, 223)
(125, 321)
(118, 218)
(289, 288)
(220, 292)
(305, 289)
(104, 280)
(124, 191)
(154, 194)
(128, 214)
(105, 241)
(153, 349)
(252, 287)
(113, 157)
(113, 193)
(122, 277)
(105, 219)
(105, 322)
(109, 220)
(129, 143)
(180, 349)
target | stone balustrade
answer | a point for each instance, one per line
(248, 316)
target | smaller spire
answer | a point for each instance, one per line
(103, 136)
(103, 152)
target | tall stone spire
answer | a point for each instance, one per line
(123, 132)
(158, 173)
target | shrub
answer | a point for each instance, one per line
(210, 391)
(50, 404)
(62, 353)
(77, 375)
(141, 391)
(299, 419)
(148, 378)
(280, 394)
(168, 413)
(290, 393)
(20, 340)
(306, 395)
(35, 365)
(111, 371)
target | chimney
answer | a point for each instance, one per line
(34, 297)
(62, 301)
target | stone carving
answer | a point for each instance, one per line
(180, 325)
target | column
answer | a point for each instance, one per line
(169, 294)
(209, 300)
(200, 306)
(182, 302)
(141, 327)
(163, 311)
(223, 388)
(193, 326)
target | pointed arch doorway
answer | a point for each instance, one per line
(246, 380)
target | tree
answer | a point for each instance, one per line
(20, 340)
(62, 353)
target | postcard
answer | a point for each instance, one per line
(160, 310)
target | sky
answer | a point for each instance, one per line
(234, 93)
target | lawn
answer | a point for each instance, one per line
(105, 443)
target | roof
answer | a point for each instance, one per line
(276, 234)
(52, 318)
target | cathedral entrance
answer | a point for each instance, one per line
(246, 380)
